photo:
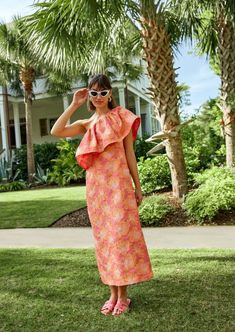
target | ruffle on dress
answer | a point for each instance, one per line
(114, 126)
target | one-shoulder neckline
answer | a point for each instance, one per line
(104, 116)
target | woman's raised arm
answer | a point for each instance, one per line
(60, 129)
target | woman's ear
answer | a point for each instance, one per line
(110, 95)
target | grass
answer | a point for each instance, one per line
(50, 290)
(39, 207)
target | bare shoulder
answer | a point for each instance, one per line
(84, 123)
(87, 123)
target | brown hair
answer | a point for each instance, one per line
(102, 82)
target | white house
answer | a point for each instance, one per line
(47, 108)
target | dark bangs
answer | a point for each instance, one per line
(102, 82)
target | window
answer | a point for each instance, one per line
(43, 127)
(143, 122)
(155, 125)
(51, 123)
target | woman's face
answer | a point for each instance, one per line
(100, 101)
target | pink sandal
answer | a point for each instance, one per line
(122, 307)
(108, 307)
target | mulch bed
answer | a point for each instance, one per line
(80, 218)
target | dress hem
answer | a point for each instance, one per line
(146, 278)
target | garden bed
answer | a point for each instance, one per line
(80, 218)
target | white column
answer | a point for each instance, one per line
(149, 120)
(66, 105)
(121, 95)
(17, 124)
(137, 111)
(5, 141)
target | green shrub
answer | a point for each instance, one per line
(192, 161)
(216, 172)
(154, 173)
(153, 209)
(66, 169)
(43, 154)
(215, 193)
(41, 176)
(142, 147)
(202, 139)
(13, 186)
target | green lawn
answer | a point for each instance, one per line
(39, 207)
(59, 290)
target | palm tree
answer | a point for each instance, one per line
(7, 74)
(158, 38)
(73, 41)
(217, 39)
(15, 51)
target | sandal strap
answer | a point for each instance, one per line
(108, 305)
(121, 305)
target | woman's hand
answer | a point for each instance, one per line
(79, 97)
(138, 196)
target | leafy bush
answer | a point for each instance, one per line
(43, 154)
(154, 173)
(203, 143)
(215, 193)
(66, 169)
(41, 176)
(153, 209)
(192, 161)
(142, 147)
(12, 186)
(7, 171)
(217, 173)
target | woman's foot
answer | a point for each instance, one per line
(108, 306)
(121, 306)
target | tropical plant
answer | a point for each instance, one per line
(14, 49)
(153, 210)
(41, 176)
(217, 38)
(159, 29)
(216, 193)
(154, 173)
(19, 68)
(202, 139)
(65, 169)
(7, 172)
(13, 186)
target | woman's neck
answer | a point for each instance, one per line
(101, 110)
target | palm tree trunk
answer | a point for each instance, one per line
(26, 77)
(6, 110)
(158, 54)
(226, 34)
(29, 136)
(126, 94)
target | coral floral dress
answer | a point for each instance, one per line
(120, 249)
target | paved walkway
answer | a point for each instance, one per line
(82, 237)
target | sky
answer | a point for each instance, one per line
(193, 70)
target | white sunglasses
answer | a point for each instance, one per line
(94, 93)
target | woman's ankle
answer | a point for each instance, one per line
(113, 297)
(122, 298)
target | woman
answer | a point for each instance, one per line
(106, 152)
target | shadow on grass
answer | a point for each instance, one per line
(191, 291)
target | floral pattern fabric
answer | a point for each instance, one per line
(121, 252)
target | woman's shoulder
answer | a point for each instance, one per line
(110, 128)
(88, 123)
